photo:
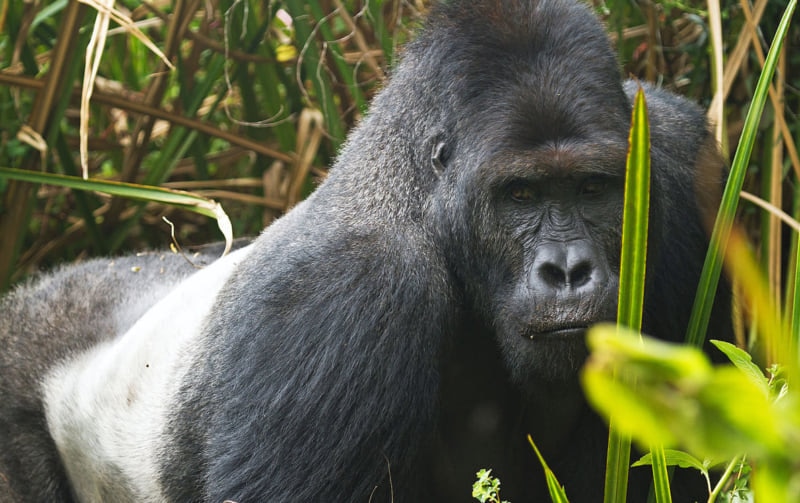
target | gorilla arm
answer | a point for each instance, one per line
(333, 371)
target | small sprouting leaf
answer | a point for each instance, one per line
(486, 488)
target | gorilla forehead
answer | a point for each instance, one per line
(564, 27)
(568, 158)
(512, 63)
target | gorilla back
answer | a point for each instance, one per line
(409, 323)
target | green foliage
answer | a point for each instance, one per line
(680, 459)
(260, 99)
(635, 217)
(671, 395)
(185, 200)
(733, 485)
(704, 300)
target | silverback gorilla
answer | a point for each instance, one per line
(408, 324)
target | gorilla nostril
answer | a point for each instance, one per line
(581, 274)
(552, 275)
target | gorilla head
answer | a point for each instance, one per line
(531, 151)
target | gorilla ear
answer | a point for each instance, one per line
(439, 156)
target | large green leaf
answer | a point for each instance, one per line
(672, 396)
(632, 276)
(170, 197)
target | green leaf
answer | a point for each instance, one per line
(631, 414)
(735, 416)
(676, 458)
(744, 362)
(632, 275)
(661, 488)
(645, 359)
(635, 218)
(776, 483)
(171, 197)
(672, 396)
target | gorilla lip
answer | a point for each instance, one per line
(560, 332)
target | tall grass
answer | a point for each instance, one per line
(774, 481)
(245, 102)
(635, 224)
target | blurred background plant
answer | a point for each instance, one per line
(259, 100)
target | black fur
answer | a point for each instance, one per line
(423, 311)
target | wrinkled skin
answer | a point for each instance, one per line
(408, 324)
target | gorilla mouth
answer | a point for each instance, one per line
(570, 331)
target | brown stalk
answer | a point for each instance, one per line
(775, 96)
(737, 57)
(130, 105)
(143, 129)
(17, 196)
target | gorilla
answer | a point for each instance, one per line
(406, 325)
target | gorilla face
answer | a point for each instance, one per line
(559, 213)
(532, 167)
(536, 244)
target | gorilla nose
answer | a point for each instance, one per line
(565, 267)
(558, 276)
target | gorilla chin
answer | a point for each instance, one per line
(553, 356)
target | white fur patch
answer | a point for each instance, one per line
(107, 408)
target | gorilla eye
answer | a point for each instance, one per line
(594, 185)
(521, 192)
